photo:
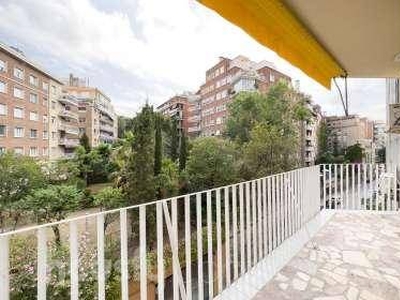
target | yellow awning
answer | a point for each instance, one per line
(273, 25)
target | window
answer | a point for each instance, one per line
(2, 66)
(33, 151)
(19, 132)
(19, 73)
(2, 150)
(53, 120)
(19, 150)
(3, 109)
(45, 151)
(45, 86)
(45, 119)
(18, 112)
(33, 133)
(3, 130)
(33, 80)
(33, 116)
(53, 135)
(53, 89)
(53, 104)
(45, 135)
(271, 77)
(19, 93)
(33, 98)
(2, 87)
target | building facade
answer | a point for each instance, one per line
(309, 136)
(25, 91)
(393, 139)
(345, 131)
(227, 78)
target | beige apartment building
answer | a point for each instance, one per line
(25, 91)
(96, 115)
(346, 131)
(227, 78)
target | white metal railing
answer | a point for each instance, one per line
(359, 187)
(234, 226)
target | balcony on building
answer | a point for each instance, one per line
(68, 142)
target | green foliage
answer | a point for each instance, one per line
(183, 152)
(174, 140)
(125, 125)
(140, 166)
(268, 152)
(167, 182)
(354, 153)
(63, 171)
(84, 142)
(158, 151)
(109, 198)
(18, 176)
(211, 164)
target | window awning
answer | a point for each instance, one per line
(273, 25)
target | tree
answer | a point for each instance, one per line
(211, 163)
(84, 142)
(183, 153)
(51, 204)
(174, 137)
(140, 166)
(19, 175)
(354, 153)
(158, 151)
(268, 152)
(62, 171)
(100, 164)
(167, 181)
(125, 125)
(109, 198)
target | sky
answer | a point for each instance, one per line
(134, 50)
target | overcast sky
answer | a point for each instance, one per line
(138, 49)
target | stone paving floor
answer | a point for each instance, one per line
(354, 256)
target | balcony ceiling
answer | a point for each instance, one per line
(325, 39)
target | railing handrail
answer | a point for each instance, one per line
(130, 207)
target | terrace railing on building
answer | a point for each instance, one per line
(191, 246)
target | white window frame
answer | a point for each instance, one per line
(5, 109)
(36, 151)
(33, 116)
(33, 80)
(45, 135)
(35, 97)
(30, 133)
(22, 130)
(3, 65)
(19, 75)
(19, 148)
(5, 87)
(5, 130)
(45, 86)
(21, 96)
(19, 109)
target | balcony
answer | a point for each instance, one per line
(194, 118)
(68, 114)
(68, 143)
(69, 129)
(324, 231)
(107, 128)
(194, 129)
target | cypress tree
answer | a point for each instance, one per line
(158, 145)
(183, 152)
(84, 142)
(174, 140)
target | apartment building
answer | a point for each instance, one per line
(227, 78)
(393, 139)
(95, 113)
(25, 90)
(346, 131)
(309, 136)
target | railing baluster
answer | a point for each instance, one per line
(265, 214)
(160, 252)
(365, 185)
(124, 254)
(210, 247)
(199, 229)
(347, 187)
(248, 226)
(341, 186)
(377, 187)
(143, 254)
(235, 232)
(259, 220)
(41, 264)
(359, 186)
(285, 206)
(278, 209)
(254, 220)
(219, 242)
(353, 179)
(242, 230)
(269, 202)
(227, 239)
(188, 249)
(4, 268)
(274, 219)
(282, 208)
(371, 188)
(335, 186)
(395, 188)
(330, 186)
(324, 184)
(74, 257)
(101, 279)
